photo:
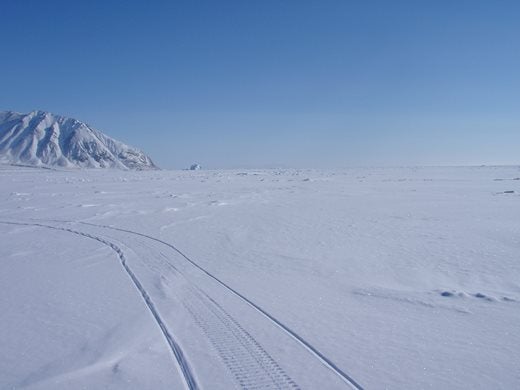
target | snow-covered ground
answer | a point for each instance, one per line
(402, 278)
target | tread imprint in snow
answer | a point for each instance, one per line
(246, 359)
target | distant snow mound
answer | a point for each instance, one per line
(195, 167)
(44, 139)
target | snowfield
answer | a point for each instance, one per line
(366, 278)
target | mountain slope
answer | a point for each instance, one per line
(44, 139)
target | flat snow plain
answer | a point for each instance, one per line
(395, 278)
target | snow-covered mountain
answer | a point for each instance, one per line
(44, 139)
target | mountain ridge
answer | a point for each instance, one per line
(41, 138)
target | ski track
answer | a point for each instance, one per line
(182, 362)
(322, 358)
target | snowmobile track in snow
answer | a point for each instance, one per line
(250, 364)
(174, 347)
(246, 359)
(315, 352)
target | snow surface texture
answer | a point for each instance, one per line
(362, 278)
(43, 139)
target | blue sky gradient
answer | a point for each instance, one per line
(275, 83)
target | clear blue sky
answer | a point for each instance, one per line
(275, 83)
